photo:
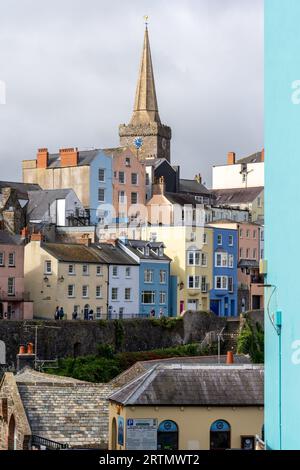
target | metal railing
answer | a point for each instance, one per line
(38, 441)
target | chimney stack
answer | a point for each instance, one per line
(42, 158)
(262, 158)
(231, 158)
(85, 240)
(68, 157)
(198, 178)
(229, 357)
(25, 357)
(36, 237)
(159, 186)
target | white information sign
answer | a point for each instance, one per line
(141, 434)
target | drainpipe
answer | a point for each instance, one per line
(107, 293)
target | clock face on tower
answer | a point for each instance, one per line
(138, 142)
(164, 143)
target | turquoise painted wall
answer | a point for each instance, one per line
(282, 220)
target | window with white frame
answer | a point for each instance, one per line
(162, 276)
(204, 238)
(99, 312)
(11, 259)
(230, 240)
(121, 177)
(254, 233)
(114, 293)
(193, 258)
(248, 253)
(221, 282)
(71, 269)
(241, 252)
(230, 284)
(193, 236)
(162, 298)
(99, 270)
(148, 297)
(241, 233)
(101, 194)
(71, 290)
(127, 293)
(148, 276)
(248, 233)
(203, 259)
(101, 175)
(85, 291)
(221, 260)
(193, 282)
(161, 251)
(115, 271)
(127, 161)
(85, 269)
(134, 178)
(128, 271)
(99, 292)
(2, 259)
(219, 239)
(48, 267)
(11, 286)
(230, 260)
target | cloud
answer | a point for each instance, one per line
(70, 69)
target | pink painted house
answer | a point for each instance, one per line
(129, 183)
(14, 301)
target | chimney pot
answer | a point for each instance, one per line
(262, 158)
(22, 349)
(68, 157)
(30, 348)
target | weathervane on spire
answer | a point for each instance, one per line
(146, 18)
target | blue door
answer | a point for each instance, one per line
(215, 306)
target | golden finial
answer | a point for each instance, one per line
(146, 18)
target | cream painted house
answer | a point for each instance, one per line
(191, 251)
(72, 276)
(204, 407)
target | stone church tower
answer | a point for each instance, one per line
(145, 134)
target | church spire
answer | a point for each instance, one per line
(145, 105)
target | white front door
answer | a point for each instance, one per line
(192, 304)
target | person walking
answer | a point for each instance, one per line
(61, 313)
(56, 315)
(91, 315)
(152, 313)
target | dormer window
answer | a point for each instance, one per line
(147, 251)
(161, 251)
(141, 250)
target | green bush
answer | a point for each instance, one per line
(251, 341)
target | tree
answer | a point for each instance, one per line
(251, 341)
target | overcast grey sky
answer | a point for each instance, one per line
(70, 68)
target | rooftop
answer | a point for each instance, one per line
(65, 410)
(237, 196)
(39, 201)
(195, 385)
(192, 186)
(21, 188)
(9, 239)
(135, 246)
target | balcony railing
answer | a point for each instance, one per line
(42, 442)
(6, 296)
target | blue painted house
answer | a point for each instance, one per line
(158, 289)
(223, 295)
(101, 187)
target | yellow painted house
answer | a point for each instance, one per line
(188, 407)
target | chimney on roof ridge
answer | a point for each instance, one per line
(42, 158)
(158, 186)
(262, 157)
(85, 240)
(68, 156)
(198, 178)
(36, 237)
(231, 158)
(25, 357)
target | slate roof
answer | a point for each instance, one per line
(133, 246)
(141, 367)
(181, 198)
(39, 201)
(65, 410)
(114, 255)
(21, 188)
(9, 239)
(253, 158)
(85, 157)
(195, 385)
(237, 196)
(73, 252)
(192, 186)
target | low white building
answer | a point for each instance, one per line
(244, 173)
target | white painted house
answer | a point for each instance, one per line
(244, 173)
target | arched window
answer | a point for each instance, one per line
(220, 435)
(12, 434)
(114, 434)
(167, 436)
